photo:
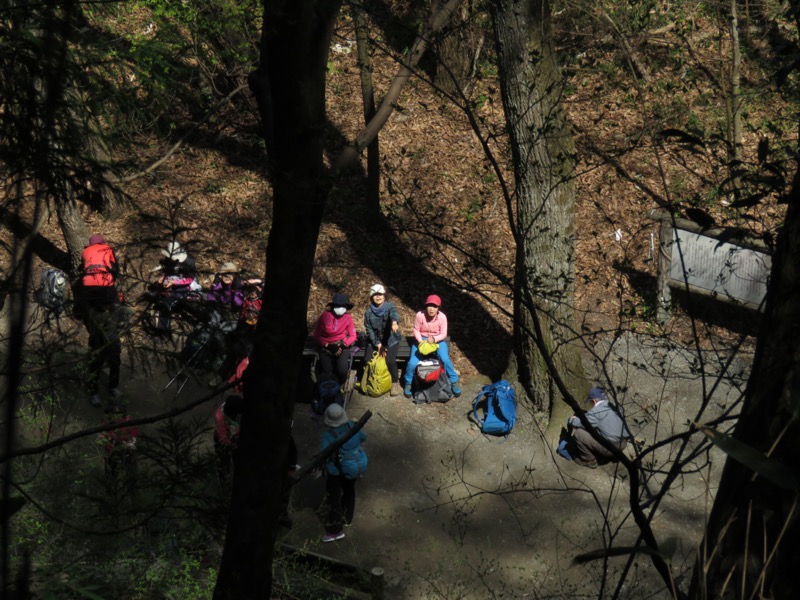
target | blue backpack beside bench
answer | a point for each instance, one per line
(500, 410)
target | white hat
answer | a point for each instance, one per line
(376, 289)
(335, 415)
(228, 267)
(175, 252)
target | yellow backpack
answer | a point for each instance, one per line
(376, 380)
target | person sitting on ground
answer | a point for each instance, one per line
(342, 469)
(430, 326)
(335, 334)
(382, 324)
(579, 445)
(227, 292)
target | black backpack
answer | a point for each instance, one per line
(329, 391)
(427, 390)
(52, 292)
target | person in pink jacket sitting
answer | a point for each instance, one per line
(431, 325)
(335, 334)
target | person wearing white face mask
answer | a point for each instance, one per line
(335, 334)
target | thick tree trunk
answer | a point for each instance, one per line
(752, 543)
(289, 86)
(543, 158)
(458, 50)
(368, 102)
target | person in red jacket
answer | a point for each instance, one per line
(100, 270)
(103, 318)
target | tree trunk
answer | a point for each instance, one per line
(74, 229)
(289, 87)
(543, 159)
(368, 101)
(458, 50)
(752, 543)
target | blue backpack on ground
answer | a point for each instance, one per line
(500, 411)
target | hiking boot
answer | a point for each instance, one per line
(332, 537)
(95, 400)
(396, 389)
(407, 391)
(456, 389)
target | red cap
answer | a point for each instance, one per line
(96, 239)
(433, 299)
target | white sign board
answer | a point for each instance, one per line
(725, 270)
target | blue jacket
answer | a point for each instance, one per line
(350, 460)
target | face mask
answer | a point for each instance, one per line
(339, 311)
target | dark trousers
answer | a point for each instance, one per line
(587, 449)
(391, 358)
(103, 324)
(223, 455)
(338, 365)
(340, 495)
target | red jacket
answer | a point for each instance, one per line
(99, 266)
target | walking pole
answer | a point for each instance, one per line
(350, 383)
(185, 365)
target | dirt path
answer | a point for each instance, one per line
(449, 513)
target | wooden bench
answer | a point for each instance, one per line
(403, 352)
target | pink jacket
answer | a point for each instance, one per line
(436, 327)
(237, 376)
(331, 329)
(226, 432)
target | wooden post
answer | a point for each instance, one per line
(664, 299)
(377, 583)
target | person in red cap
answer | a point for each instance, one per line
(102, 316)
(431, 325)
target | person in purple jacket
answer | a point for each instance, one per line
(335, 334)
(227, 292)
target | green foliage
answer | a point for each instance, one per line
(165, 519)
(473, 209)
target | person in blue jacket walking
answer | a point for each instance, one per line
(342, 469)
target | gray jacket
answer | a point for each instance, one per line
(605, 419)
